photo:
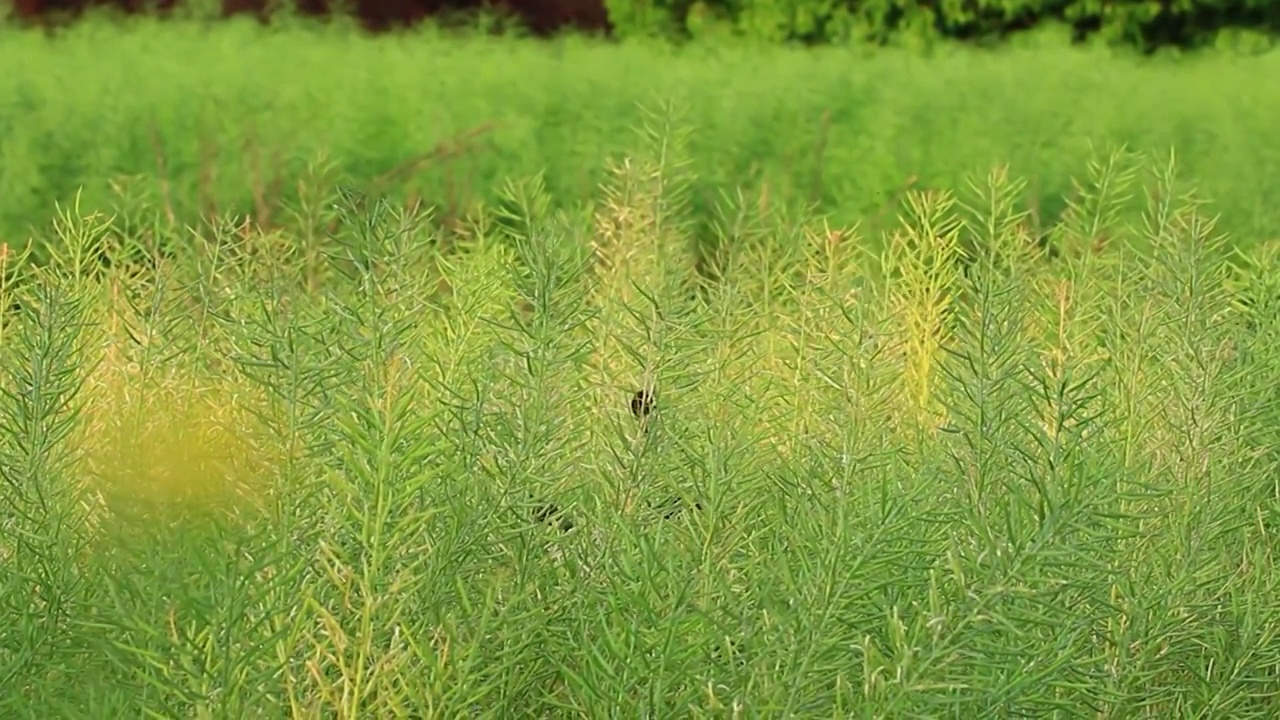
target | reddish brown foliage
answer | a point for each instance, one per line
(542, 17)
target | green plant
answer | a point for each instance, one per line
(935, 473)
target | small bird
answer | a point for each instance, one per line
(548, 513)
(641, 403)
(675, 505)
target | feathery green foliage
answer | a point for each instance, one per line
(372, 471)
(238, 125)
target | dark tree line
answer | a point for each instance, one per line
(539, 17)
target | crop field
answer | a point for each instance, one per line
(672, 397)
(206, 122)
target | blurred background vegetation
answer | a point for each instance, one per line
(835, 105)
(191, 123)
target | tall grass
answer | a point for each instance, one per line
(204, 119)
(363, 474)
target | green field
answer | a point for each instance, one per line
(228, 120)
(898, 460)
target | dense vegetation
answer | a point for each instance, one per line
(1149, 26)
(233, 127)
(404, 378)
